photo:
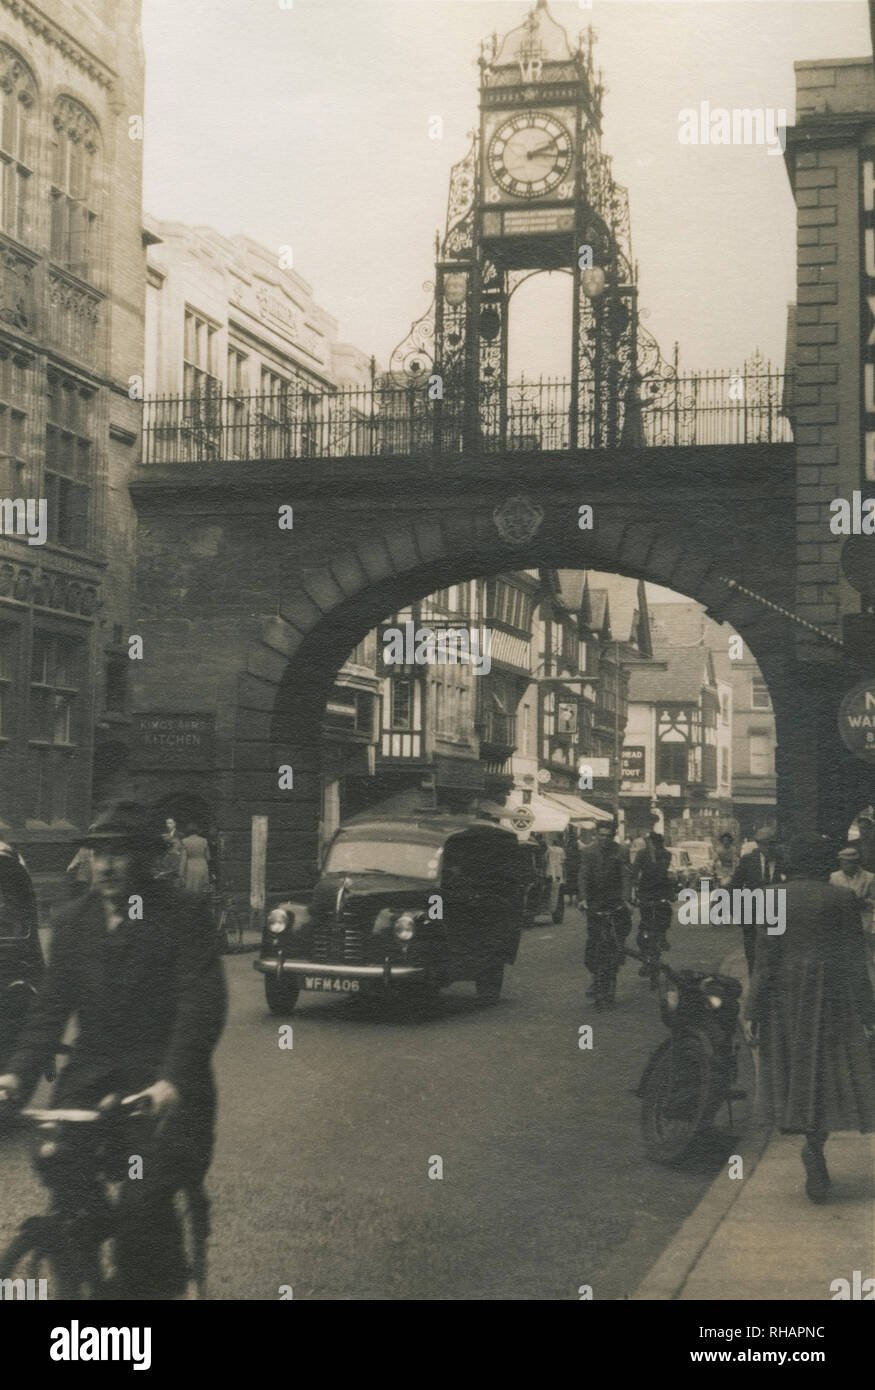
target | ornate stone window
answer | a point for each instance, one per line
(75, 175)
(18, 111)
(56, 671)
(69, 461)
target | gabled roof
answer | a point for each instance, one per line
(677, 674)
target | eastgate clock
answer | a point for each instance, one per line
(530, 154)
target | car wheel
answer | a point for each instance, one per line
(488, 983)
(281, 995)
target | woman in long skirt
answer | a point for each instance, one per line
(811, 1010)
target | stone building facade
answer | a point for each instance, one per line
(72, 280)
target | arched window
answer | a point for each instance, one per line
(17, 139)
(75, 152)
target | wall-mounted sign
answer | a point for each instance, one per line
(856, 721)
(634, 763)
(867, 311)
(173, 740)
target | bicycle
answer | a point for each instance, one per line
(605, 951)
(79, 1157)
(652, 928)
(230, 924)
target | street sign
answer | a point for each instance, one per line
(856, 720)
(598, 767)
(634, 763)
(523, 818)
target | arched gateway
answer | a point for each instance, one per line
(445, 471)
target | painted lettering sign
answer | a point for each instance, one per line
(172, 740)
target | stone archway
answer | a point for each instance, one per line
(292, 661)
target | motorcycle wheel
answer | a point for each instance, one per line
(676, 1102)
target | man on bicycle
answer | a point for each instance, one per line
(654, 887)
(604, 888)
(135, 960)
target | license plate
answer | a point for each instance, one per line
(327, 983)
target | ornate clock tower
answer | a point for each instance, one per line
(534, 193)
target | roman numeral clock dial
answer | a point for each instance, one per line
(530, 154)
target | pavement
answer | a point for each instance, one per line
(757, 1236)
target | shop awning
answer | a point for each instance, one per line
(548, 817)
(576, 808)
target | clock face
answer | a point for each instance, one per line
(530, 154)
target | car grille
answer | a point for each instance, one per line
(339, 943)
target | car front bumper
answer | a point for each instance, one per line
(385, 974)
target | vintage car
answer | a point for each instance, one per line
(418, 901)
(21, 957)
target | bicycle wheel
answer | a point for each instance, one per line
(36, 1272)
(675, 1103)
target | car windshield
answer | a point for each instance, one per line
(401, 857)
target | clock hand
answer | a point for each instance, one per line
(542, 149)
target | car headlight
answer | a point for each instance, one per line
(404, 925)
(278, 920)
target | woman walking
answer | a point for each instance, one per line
(811, 1010)
(196, 865)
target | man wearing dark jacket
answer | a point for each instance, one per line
(759, 868)
(655, 889)
(136, 961)
(604, 887)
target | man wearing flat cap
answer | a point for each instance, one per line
(851, 875)
(759, 868)
(135, 960)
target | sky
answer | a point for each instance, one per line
(305, 123)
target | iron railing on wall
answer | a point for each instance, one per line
(703, 409)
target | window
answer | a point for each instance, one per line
(8, 662)
(759, 694)
(724, 765)
(68, 461)
(672, 763)
(237, 387)
(74, 188)
(13, 389)
(760, 755)
(54, 687)
(17, 121)
(402, 704)
(724, 707)
(199, 353)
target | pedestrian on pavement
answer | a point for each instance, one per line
(555, 871)
(148, 994)
(811, 1011)
(654, 887)
(851, 875)
(172, 864)
(196, 867)
(572, 865)
(605, 886)
(758, 869)
(726, 860)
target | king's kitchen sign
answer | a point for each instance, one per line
(867, 310)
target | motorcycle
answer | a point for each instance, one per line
(693, 1071)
